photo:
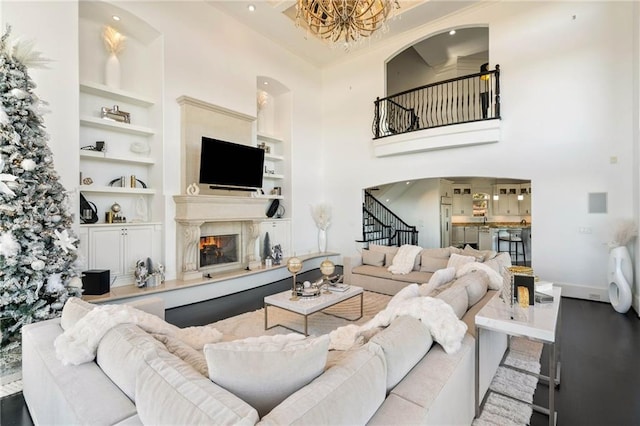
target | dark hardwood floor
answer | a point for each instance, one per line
(600, 372)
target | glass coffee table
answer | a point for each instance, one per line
(307, 306)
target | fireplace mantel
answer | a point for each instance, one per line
(217, 208)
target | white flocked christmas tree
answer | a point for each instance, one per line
(39, 268)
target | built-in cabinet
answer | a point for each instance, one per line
(462, 200)
(274, 164)
(125, 119)
(512, 200)
(463, 235)
(279, 233)
(117, 247)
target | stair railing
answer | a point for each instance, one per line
(393, 229)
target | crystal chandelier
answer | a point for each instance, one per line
(345, 21)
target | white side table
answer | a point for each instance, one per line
(539, 322)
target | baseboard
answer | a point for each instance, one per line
(575, 291)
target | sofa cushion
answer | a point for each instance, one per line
(170, 392)
(185, 352)
(500, 262)
(373, 258)
(265, 370)
(404, 343)
(122, 350)
(433, 259)
(495, 279)
(439, 278)
(375, 271)
(348, 393)
(74, 309)
(458, 260)
(484, 254)
(457, 297)
(476, 283)
(389, 252)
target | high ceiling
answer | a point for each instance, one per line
(275, 19)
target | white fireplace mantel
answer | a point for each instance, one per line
(217, 208)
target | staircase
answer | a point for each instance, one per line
(383, 227)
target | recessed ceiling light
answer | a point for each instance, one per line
(266, 83)
(115, 17)
(251, 7)
(452, 32)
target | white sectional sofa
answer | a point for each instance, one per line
(398, 376)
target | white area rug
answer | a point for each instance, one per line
(502, 410)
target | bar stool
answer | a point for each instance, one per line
(514, 239)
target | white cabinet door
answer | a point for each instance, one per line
(118, 248)
(105, 249)
(279, 233)
(457, 236)
(462, 200)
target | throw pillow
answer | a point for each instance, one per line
(439, 277)
(389, 252)
(481, 255)
(500, 262)
(372, 258)
(408, 292)
(458, 260)
(404, 260)
(74, 309)
(265, 370)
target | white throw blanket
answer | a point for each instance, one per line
(79, 343)
(404, 259)
(436, 314)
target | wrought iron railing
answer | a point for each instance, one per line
(382, 226)
(459, 100)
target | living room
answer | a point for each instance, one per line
(568, 120)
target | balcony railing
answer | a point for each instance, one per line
(459, 100)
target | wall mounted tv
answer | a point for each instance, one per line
(228, 165)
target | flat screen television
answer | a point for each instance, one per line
(228, 165)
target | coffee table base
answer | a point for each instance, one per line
(306, 316)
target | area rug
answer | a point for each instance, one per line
(251, 324)
(508, 386)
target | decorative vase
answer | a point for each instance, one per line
(112, 72)
(620, 274)
(322, 240)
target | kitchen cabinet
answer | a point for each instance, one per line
(463, 235)
(507, 202)
(525, 203)
(118, 247)
(457, 236)
(462, 200)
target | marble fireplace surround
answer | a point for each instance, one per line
(193, 211)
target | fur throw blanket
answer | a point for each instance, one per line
(436, 314)
(79, 343)
(403, 260)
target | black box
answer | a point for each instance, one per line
(96, 281)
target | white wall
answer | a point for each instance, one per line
(566, 105)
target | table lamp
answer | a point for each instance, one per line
(294, 265)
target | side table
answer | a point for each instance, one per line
(539, 322)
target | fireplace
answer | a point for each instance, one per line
(218, 250)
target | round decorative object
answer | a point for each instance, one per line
(294, 265)
(115, 207)
(193, 189)
(327, 267)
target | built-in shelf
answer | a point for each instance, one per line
(115, 94)
(115, 190)
(100, 156)
(268, 138)
(273, 176)
(101, 123)
(273, 157)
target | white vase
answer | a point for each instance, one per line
(112, 72)
(322, 240)
(620, 275)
